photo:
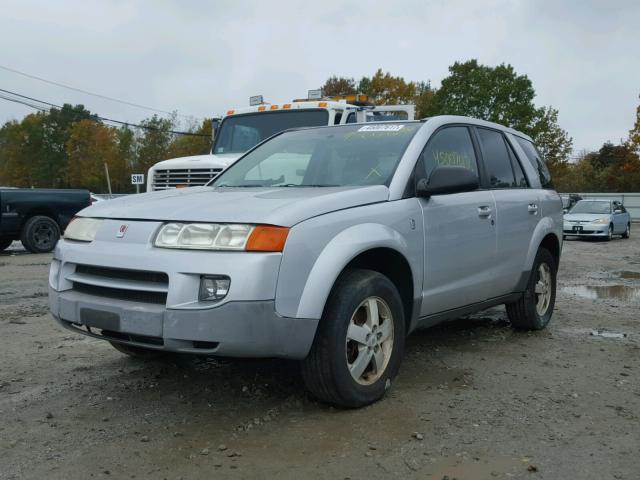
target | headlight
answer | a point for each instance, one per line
(220, 236)
(82, 229)
(601, 221)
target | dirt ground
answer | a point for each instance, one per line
(474, 399)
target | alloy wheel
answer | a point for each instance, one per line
(369, 342)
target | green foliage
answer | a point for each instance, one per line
(339, 86)
(496, 94)
(69, 147)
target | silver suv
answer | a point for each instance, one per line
(328, 245)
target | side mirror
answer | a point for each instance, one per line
(447, 180)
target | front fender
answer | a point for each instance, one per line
(337, 254)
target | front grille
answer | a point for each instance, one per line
(143, 296)
(189, 177)
(124, 274)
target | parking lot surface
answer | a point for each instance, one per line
(474, 399)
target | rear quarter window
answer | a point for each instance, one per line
(537, 162)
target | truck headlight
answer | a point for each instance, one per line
(82, 229)
(601, 221)
(222, 236)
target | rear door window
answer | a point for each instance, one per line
(536, 161)
(496, 159)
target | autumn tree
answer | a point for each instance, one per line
(91, 146)
(339, 86)
(384, 89)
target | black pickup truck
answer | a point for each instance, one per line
(37, 216)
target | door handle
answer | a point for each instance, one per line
(484, 211)
(533, 208)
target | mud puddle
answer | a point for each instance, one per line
(624, 293)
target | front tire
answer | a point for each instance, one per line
(359, 344)
(40, 234)
(534, 309)
(137, 352)
(610, 233)
(627, 232)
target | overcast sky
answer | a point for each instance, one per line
(203, 57)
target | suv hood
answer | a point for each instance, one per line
(284, 206)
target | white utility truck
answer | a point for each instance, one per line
(241, 129)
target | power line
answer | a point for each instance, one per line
(104, 97)
(29, 102)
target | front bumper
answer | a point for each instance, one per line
(235, 329)
(588, 231)
(125, 290)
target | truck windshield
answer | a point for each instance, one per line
(584, 206)
(323, 157)
(240, 133)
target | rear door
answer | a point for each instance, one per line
(517, 209)
(460, 237)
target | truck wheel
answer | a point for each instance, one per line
(4, 243)
(534, 309)
(359, 344)
(40, 234)
(137, 352)
(627, 232)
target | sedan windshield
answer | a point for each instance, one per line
(323, 157)
(239, 133)
(586, 206)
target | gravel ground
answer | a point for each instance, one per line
(474, 399)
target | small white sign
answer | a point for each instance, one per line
(137, 179)
(380, 128)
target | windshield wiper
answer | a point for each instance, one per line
(306, 185)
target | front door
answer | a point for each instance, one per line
(459, 230)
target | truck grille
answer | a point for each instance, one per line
(183, 177)
(122, 284)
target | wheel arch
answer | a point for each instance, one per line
(371, 246)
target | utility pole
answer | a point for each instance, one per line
(106, 170)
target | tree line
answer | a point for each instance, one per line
(69, 147)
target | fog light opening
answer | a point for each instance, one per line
(213, 288)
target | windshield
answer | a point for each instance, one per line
(585, 206)
(323, 157)
(240, 133)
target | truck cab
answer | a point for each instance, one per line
(243, 128)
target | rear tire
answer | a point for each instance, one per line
(4, 243)
(534, 309)
(137, 352)
(359, 344)
(40, 234)
(627, 232)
